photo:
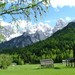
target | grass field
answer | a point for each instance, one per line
(59, 69)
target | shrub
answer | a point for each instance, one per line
(17, 59)
(5, 61)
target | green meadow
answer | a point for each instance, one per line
(59, 69)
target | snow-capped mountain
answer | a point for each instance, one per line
(24, 40)
(15, 29)
(25, 34)
(59, 25)
(44, 28)
(12, 30)
(32, 29)
(21, 36)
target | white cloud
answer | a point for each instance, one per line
(22, 23)
(68, 18)
(62, 3)
(2, 23)
(23, 26)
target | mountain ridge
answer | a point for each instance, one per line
(32, 36)
(58, 47)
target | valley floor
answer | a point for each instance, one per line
(59, 69)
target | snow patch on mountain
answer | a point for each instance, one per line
(61, 23)
(15, 29)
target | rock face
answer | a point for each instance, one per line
(59, 25)
(24, 40)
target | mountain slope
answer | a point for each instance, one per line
(24, 40)
(67, 32)
(59, 46)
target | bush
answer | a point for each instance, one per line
(17, 60)
(5, 61)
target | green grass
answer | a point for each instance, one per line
(59, 69)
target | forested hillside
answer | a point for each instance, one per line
(59, 46)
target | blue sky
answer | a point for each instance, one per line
(66, 13)
(64, 9)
